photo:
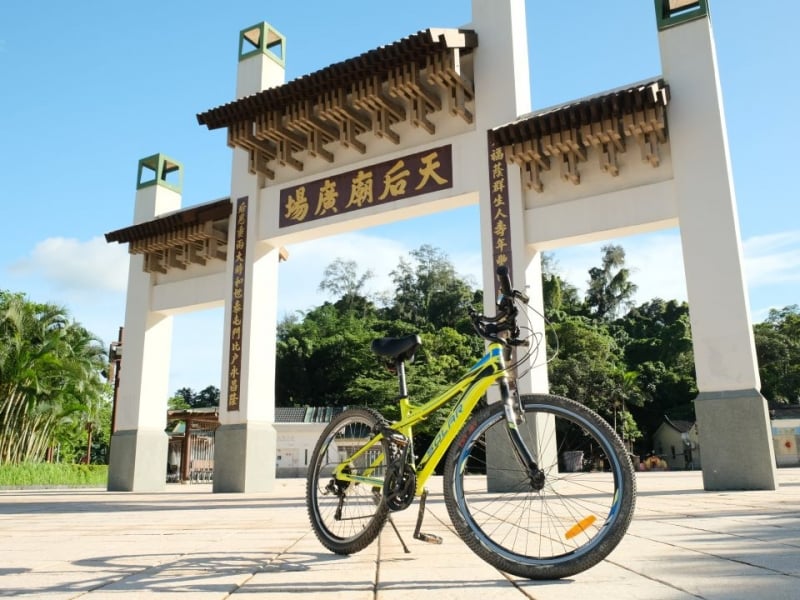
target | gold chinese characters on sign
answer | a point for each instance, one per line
(498, 188)
(420, 173)
(237, 305)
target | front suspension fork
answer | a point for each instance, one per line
(515, 416)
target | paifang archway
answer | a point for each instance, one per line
(437, 120)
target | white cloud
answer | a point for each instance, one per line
(68, 264)
(772, 259)
(87, 277)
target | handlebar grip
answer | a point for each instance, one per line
(505, 281)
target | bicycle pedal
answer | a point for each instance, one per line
(428, 538)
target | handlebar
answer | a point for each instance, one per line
(505, 285)
(505, 281)
(502, 327)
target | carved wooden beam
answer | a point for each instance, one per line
(271, 126)
(301, 120)
(531, 157)
(404, 82)
(368, 95)
(444, 70)
(335, 108)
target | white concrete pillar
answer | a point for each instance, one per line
(139, 446)
(502, 94)
(245, 446)
(735, 437)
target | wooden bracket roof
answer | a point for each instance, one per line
(191, 236)
(603, 124)
(404, 81)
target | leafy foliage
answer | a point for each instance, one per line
(632, 369)
(429, 294)
(187, 398)
(610, 289)
(658, 347)
(52, 391)
(778, 348)
(325, 357)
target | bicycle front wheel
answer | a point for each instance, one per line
(347, 516)
(550, 527)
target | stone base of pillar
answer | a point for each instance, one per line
(735, 441)
(138, 461)
(245, 456)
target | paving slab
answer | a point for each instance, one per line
(188, 542)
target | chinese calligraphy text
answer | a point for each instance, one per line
(498, 189)
(237, 305)
(420, 173)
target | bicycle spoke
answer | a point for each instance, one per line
(529, 527)
(347, 515)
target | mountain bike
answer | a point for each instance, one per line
(537, 485)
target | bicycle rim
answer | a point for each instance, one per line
(346, 516)
(577, 517)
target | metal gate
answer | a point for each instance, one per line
(191, 460)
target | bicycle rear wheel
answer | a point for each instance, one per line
(346, 516)
(551, 529)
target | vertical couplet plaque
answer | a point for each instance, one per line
(501, 230)
(237, 305)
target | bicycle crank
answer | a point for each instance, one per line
(399, 487)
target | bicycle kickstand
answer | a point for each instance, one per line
(425, 537)
(399, 537)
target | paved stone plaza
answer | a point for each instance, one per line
(189, 543)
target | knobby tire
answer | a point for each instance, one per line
(345, 516)
(569, 525)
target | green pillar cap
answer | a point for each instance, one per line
(159, 169)
(262, 38)
(675, 12)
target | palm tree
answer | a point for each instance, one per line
(50, 377)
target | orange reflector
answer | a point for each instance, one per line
(580, 526)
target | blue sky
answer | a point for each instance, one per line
(87, 88)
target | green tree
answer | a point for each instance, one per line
(182, 399)
(657, 343)
(186, 397)
(429, 293)
(560, 297)
(342, 281)
(319, 357)
(627, 394)
(207, 397)
(610, 289)
(52, 392)
(777, 342)
(586, 363)
(324, 356)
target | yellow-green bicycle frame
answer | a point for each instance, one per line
(469, 389)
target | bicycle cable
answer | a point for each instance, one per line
(535, 339)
